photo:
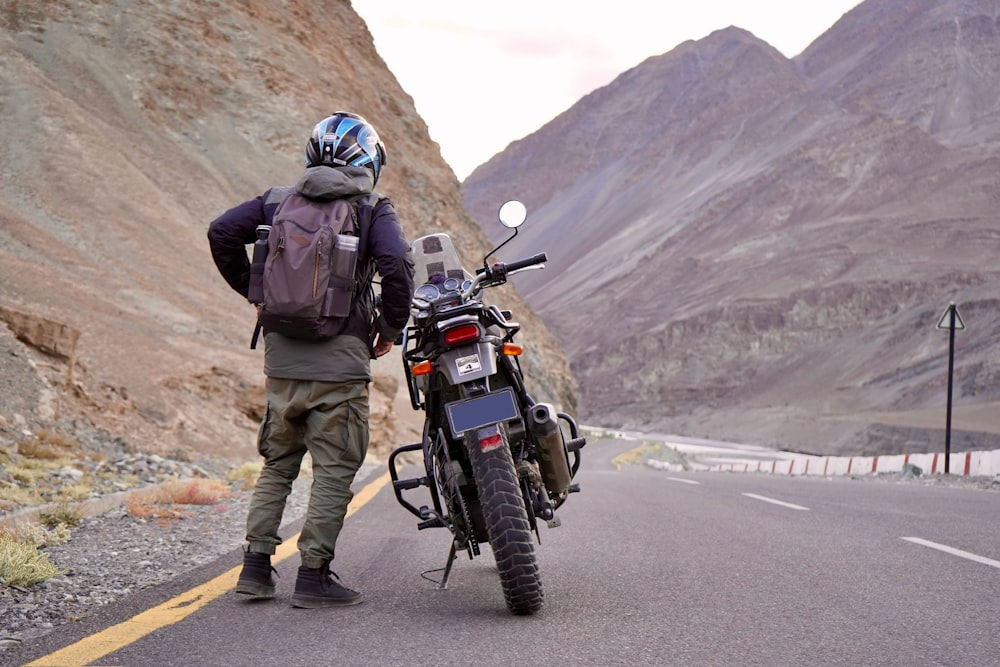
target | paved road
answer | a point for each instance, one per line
(649, 568)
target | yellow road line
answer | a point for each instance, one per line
(630, 456)
(109, 640)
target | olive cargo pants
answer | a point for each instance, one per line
(330, 421)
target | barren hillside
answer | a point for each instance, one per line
(127, 127)
(755, 248)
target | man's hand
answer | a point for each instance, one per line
(382, 345)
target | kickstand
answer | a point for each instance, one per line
(447, 567)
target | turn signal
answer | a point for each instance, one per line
(421, 368)
(461, 334)
(512, 349)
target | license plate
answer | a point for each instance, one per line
(473, 413)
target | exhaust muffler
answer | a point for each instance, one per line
(552, 459)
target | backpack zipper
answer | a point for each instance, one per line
(319, 259)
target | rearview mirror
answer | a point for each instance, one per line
(512, 214)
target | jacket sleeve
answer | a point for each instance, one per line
(394, 263)
(228, 237)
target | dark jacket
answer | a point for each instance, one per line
(381, 242)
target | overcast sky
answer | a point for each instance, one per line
(483, 74)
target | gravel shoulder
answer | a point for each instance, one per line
(114, 554)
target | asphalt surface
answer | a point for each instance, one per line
(648, 568)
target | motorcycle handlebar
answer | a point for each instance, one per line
(540, 258)
(497, 274)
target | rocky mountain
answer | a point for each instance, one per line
(127, 127)
(749, 247)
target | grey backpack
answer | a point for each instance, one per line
(309, 278)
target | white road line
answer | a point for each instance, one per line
(953, 551)
(681, 479)
(776, 502)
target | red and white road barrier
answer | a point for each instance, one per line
(974, 464)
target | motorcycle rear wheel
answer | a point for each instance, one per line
(506, 521)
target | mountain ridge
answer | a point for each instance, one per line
(791, 224)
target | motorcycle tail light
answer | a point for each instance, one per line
(512, 350)
(491, 442)
(421, 368)
(461, 334)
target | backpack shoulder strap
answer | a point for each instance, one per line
(351, 222)
(367, 272)
(369, 199)
(277, 195)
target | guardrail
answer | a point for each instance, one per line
(975, 464)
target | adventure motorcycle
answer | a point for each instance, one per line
(495, 460)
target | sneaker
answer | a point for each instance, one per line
(319, 587)
(255, 578)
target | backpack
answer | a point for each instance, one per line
(309, 281)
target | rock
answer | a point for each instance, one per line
(70, 473)
(55, 338)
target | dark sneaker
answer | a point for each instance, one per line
(318, 587)
(255, 578)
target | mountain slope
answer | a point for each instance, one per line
(127, 128)
(757, 248)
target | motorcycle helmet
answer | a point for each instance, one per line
(345, 139)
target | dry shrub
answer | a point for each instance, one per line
(246, 475)
(26, 474)
(199, 491)
(73, 492)
(160, 502)
(22, 564)
(47, 445)
(12, 497)
(37, 535)
(143, 507)
(61, 514)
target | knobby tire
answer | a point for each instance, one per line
(507, 524)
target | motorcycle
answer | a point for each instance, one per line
(495, 461)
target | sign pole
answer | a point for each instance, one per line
(951, 321)
(951, 373)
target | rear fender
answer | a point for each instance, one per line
(489, 438)
(467, 363)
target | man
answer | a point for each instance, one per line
(317, 390)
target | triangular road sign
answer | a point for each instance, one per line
(946, 323)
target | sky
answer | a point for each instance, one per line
(483, 74)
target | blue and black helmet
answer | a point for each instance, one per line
(345, 139)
